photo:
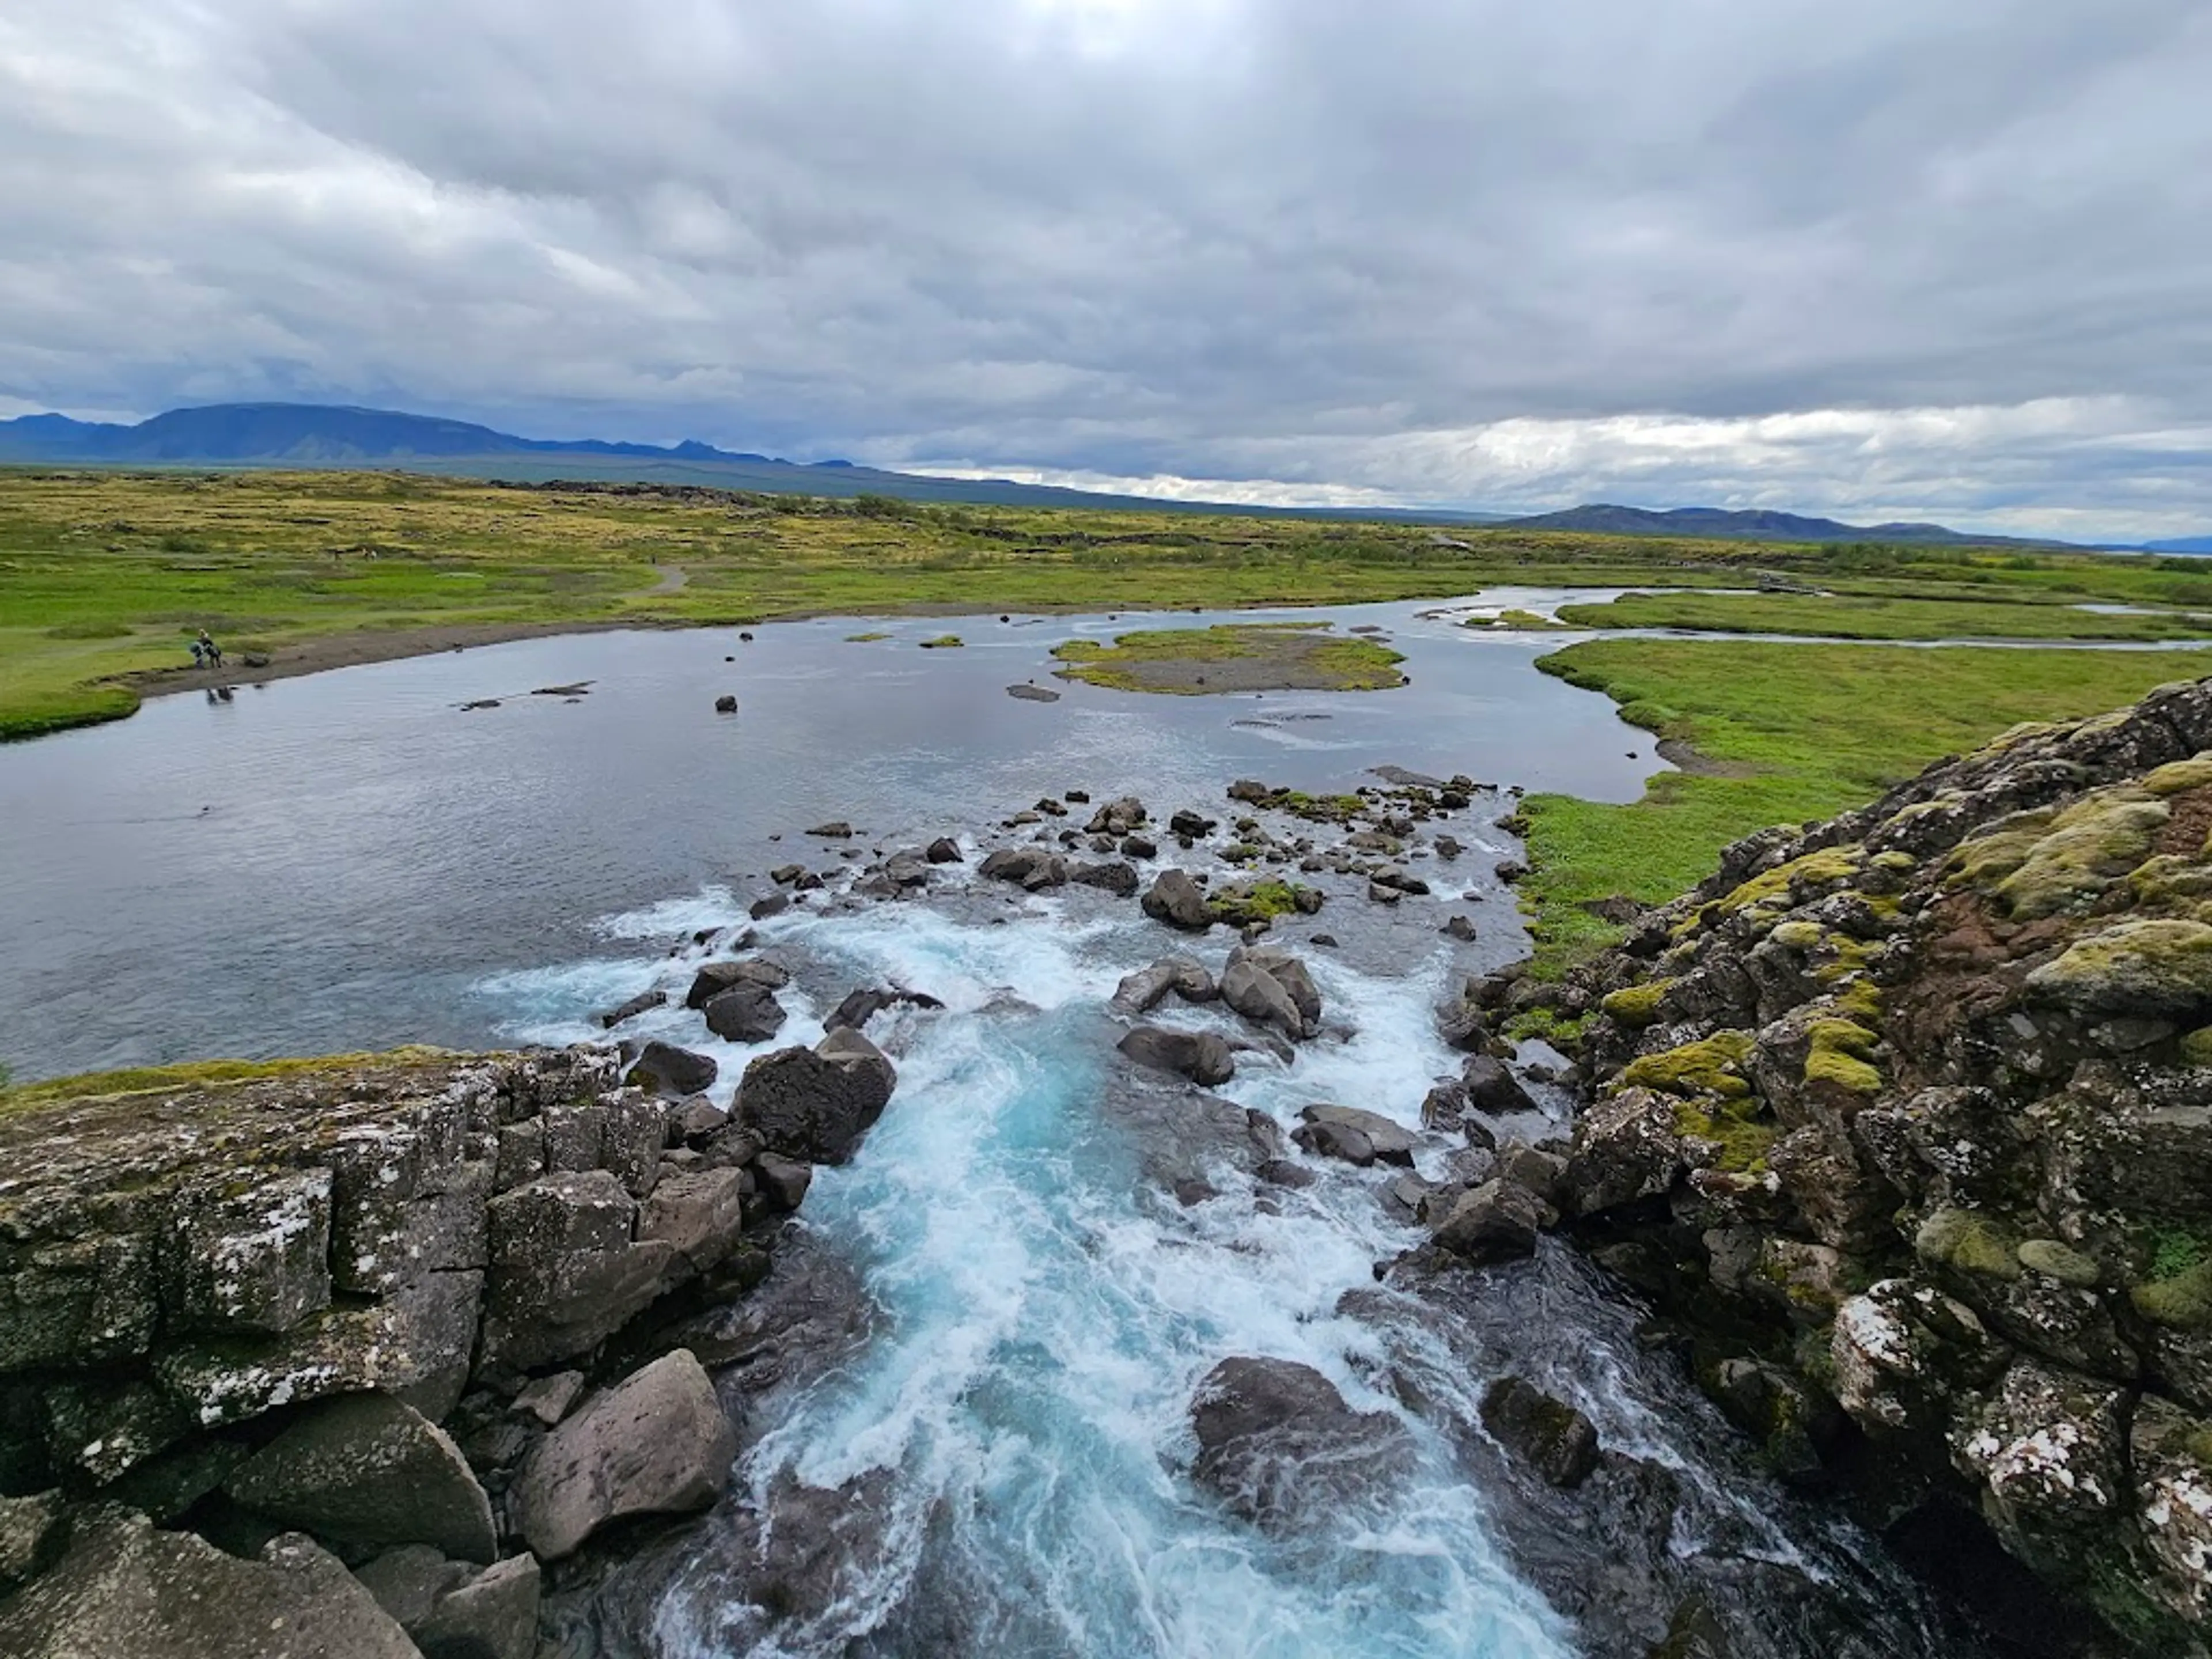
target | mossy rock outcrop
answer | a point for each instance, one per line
(1908, 1109)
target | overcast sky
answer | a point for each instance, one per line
(1943, 259)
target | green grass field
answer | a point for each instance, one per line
(105, 575)
(1810, 730)
(1882, 617)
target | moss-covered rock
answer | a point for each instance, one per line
(2177, 777)
(1637, 1005)
(1842, 1054)
(2182, 1302)
(2056, 1261)
(1789, 882)
(1969, 1241)
(1799, 935)
(2088, 846)
(1713, 1066)
(2155, 968)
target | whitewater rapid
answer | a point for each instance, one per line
(1045, 1308)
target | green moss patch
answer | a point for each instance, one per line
(198, 1074)
(1734, 1128)
(2182, 1301)
(2177, 777)
(1713, 1066)
(2087, 847)
(1969, 1240)
(1261, 900)
(1637, 1005)
(2152, 968)
(1842, 1055)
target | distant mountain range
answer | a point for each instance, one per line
(1760, 525)
(313, 435)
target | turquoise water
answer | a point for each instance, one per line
(1045, 1309)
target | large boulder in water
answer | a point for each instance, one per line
(1142, 991)
(655, 1443)
(366, 1469)
(716, 977)
(745, 1014)
(1387, 1142)
(1177, 900)
(1113, 875)
(1276, 1440)
(1201, 1056)
(1031, 868)
(1117, 818)
(815, 1103)
(125, 1591)
(1272, 988)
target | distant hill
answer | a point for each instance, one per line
(316, 435)
(2184, 544)
(1758, 526)
(338, 436)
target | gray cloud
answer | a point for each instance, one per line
(1953, 261)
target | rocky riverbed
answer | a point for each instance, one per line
(1176, 1272)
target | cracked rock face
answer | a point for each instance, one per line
(1914, 1109)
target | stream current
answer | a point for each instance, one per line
(1040, 1255)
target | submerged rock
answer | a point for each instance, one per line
(1278, 1444)
(1551, 1437)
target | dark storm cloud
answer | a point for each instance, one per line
(1946, 259)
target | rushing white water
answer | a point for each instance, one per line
(1046, 1308)
(1047, 1315)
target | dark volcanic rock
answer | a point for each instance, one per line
(656, 1443)
(1201, 1056)
(1033, 868)
(816, 1103)
(1177, 900)
(745, 1014)
(717, 977)
(1276, 1442)
(365, 1469)
(1114, 876)
(125, 1591)
(1551, 1437)
(663, 1068)
(641, 1003)
(1387, 1142)
(1492, 1088)
(943, 850)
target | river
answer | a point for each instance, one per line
(355, 859)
